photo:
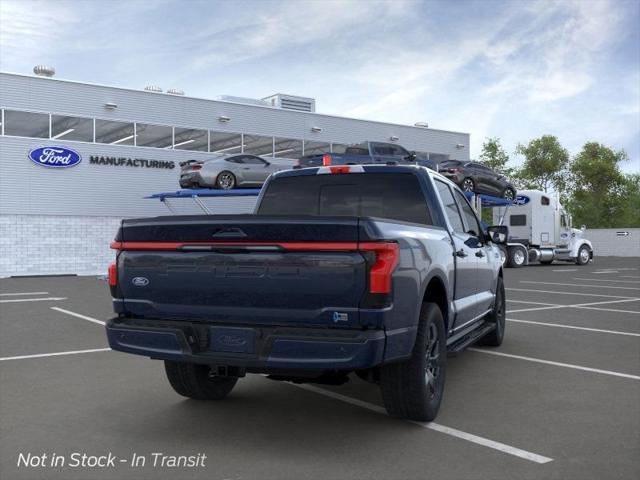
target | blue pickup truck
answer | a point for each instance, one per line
(377, 270)
(379, 153)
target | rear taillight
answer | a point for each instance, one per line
(387, 255)
(196, 167)
(326, 160)
(298, 163)
(113, 275)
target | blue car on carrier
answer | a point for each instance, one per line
(374, 269)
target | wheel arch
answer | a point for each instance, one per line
(436, 292)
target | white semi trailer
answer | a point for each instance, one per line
(540, 231)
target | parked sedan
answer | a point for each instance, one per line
(230, 171)
(475, 177)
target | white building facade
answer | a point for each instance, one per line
(127, 144)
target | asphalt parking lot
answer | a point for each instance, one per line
(560, 399)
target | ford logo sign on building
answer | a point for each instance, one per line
(55, 157)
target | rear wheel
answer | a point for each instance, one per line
(497, 316)
(584, 255)
(467, 185)
(195, 381)
(225, 180)
(413, 388)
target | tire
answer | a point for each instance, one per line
(584, 255)
(503, 254)
(225, 180)
(516, 257)
(497, 316)
(406, 392)
(192, 380)
(468, 185)
(509, 194)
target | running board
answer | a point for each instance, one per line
(469, 339)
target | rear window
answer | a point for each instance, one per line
(517, 220)
(395, 196)
(356, 151)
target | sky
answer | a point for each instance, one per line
(514, 69)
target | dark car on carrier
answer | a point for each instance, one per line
(478, 178)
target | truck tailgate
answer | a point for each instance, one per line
(242, 269)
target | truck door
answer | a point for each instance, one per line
(485, 264)
(465, 247)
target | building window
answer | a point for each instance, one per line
(258, 145)
(191, 139)
(26, 124)
(316, 148)
(338, 148)
(287, 148)
(71, 128)
(225, 143)
(157, 136)
(114, 133)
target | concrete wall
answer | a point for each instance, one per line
(607, 242)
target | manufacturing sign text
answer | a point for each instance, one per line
(55, 157)
(521, 200)
(130, 162)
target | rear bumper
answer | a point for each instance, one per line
(260, 349)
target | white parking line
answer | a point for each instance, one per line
(568, 293)
(629, 276)
(534, 303)
(588, 306)
(580, 285)
(611, 310)
(607, 271)
(56, 354)
(485, 442)
(566, 270)
(556, 364)
(23, 293)
(607, 280)
(614, 332)
(84, 317)
(47, 299)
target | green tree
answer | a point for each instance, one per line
(600, 195)
(545, 164)
(495, 157)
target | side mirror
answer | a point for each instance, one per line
(498, 234)
(266, 164)
(412, 156)
(583, 228)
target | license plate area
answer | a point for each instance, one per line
(232, 340)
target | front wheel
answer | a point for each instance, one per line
(509, 194)
(226, 180)
(413, 389)
(516, 257)
(584, 255)
(196, 381)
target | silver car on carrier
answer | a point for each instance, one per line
(230, 171)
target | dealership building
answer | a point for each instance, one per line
(127, 144)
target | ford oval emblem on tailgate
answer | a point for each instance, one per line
(55, 157)
(140, 281)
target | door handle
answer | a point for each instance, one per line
(461, 253)
(479, 254)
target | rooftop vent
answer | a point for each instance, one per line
(422, 124)
(44, 71)
(175, 91)
(291, 102)
(153, 88)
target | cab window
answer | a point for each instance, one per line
(469, 218)
(450, 207)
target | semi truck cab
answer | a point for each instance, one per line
(540, 230)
